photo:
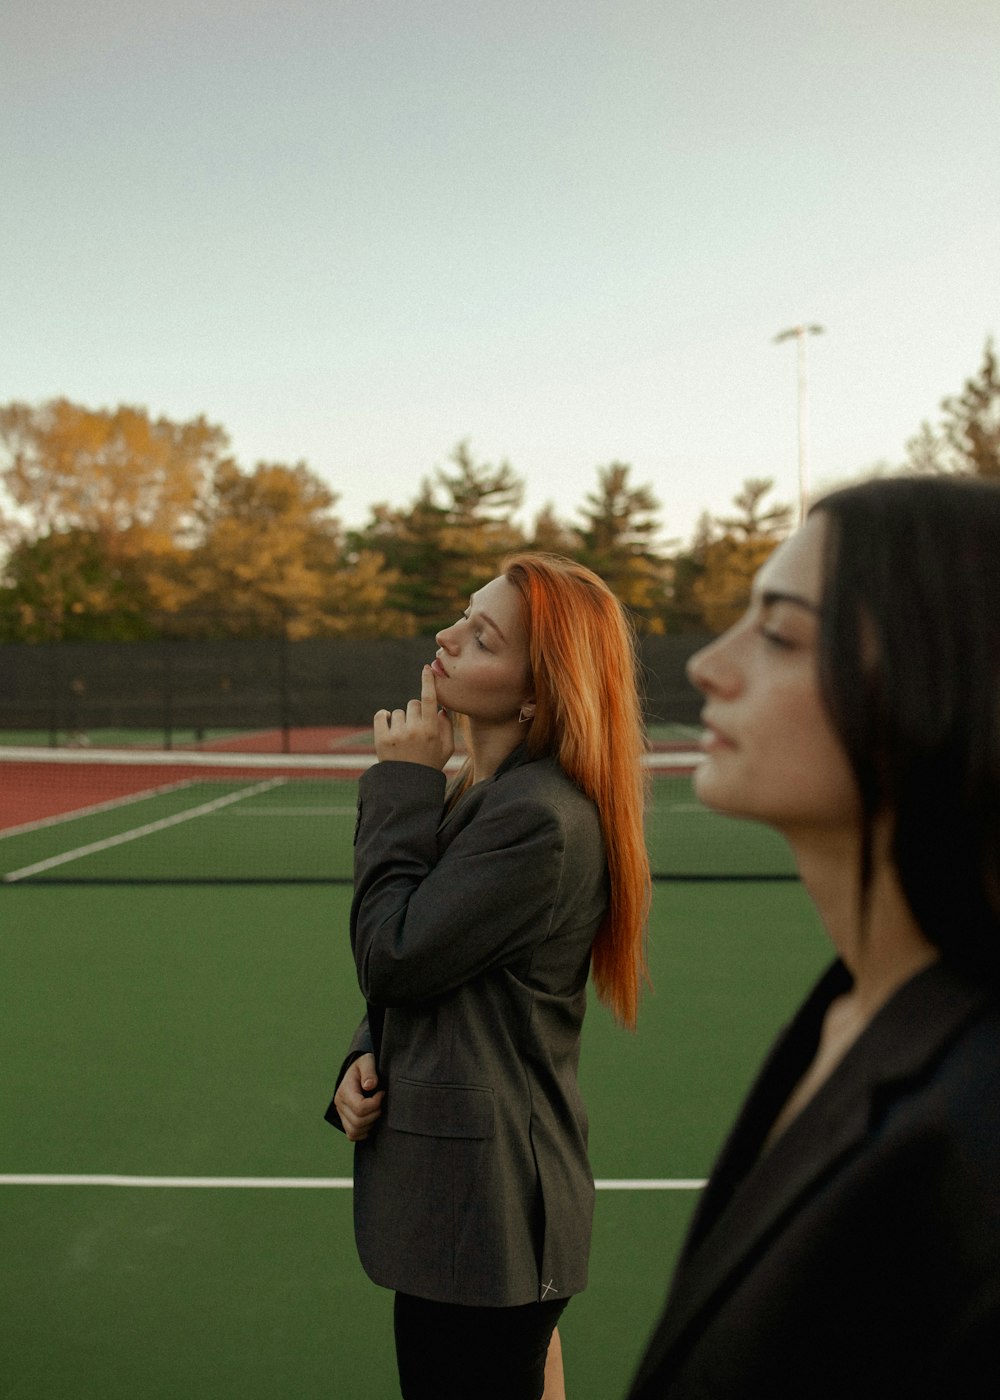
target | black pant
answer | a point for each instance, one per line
(449, 1352)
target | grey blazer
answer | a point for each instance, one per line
(472, 933)
(857, 1258)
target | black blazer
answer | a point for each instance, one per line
(858, 1256)
(472, 933)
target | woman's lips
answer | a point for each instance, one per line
(438, 669)
(713, 739)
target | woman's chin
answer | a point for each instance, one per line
(710, 787)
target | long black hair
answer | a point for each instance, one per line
(910, 674)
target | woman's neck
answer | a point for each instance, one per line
(880, 943)
(490, 745)
(879, 940)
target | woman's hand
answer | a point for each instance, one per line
(421, 733)
(358, 1106)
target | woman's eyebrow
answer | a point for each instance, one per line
(484, 617)
(771, 596)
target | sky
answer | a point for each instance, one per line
(358, 232)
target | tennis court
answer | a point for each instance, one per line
(175, 1222)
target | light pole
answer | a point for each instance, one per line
(800, 333)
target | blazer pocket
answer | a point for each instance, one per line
(439, 1110)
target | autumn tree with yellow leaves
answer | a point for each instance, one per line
(104, 501)
(127, 527)
(269, 560)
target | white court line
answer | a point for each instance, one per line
(199, 758)
(232, 1183)
(134, 834)
(298, 1183)
(676, 1183)
(184, 758)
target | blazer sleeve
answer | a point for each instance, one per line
(422, 925)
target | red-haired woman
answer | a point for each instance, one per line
(478, 911)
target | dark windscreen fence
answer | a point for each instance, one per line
(67, 689)
(191, 685)
(116, 817)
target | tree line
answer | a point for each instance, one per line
(124, 527)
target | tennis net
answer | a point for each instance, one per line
(118, 817)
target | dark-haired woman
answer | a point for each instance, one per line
(478, 912)
(848, 1242)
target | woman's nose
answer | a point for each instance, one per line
(712, 669)
(446, 638)
(694, 670)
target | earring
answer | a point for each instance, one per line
(526, 714)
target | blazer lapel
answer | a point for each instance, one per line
(750, 1195)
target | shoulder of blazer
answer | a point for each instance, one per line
(905, 1042)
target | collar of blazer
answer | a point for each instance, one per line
(468, 803)
(514, 760)
(745, 1202)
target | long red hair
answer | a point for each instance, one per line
(588, 716)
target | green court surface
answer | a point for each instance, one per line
(180, 1031)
